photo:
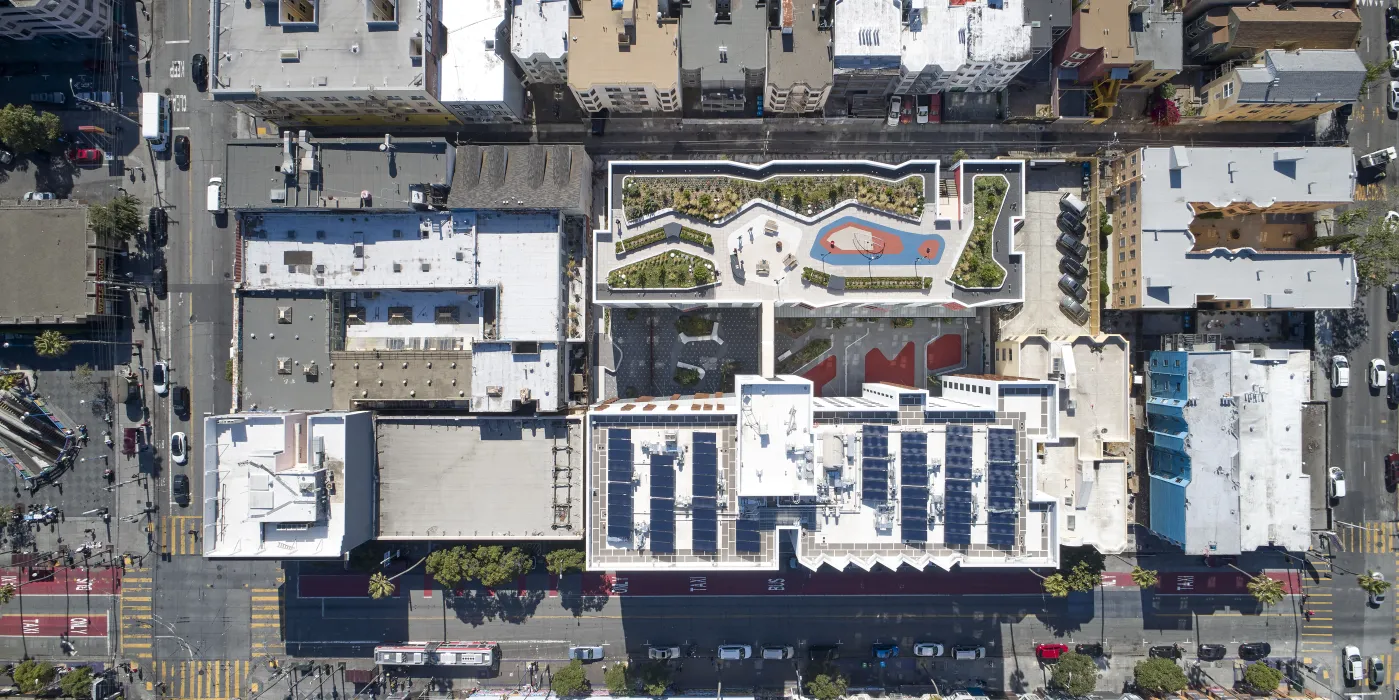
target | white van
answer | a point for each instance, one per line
(1336, 481)
(1340, 372)
(155, 120)
(1073, 204)
(215, 203)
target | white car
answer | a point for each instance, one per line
(662, 653)
(895, 104)
(38, 196)
(1355, 666)
(179, 449)
(968, 653)
(160, 377)
(1394, 55)
(776, 653)
(1394, 95)
(735, 652)
(927, 649)
(922, 114)
(1336, 480)
(1378, 376)
(585, 653)
(1377, 598)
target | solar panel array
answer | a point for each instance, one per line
(619, 488)
(663, 504)
(749, 541)
(959, 452)
(913, 490)
(1001, 487)
(875, 467)
(706, 493)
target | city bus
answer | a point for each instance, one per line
(155, 120)
(470, 654)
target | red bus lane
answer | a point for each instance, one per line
(1221, 583)
(62, 581)
(53, 626)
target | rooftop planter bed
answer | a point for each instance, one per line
(977, 268)
(670, 270)
(699, 238)
(813, 276)
(657, 235)
(694, 325)
(888, 282)
(716, 198)
(798, 359)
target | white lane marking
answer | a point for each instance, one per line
(179, 128)
(177, 41)
(177, 69)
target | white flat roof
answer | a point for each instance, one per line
(949, 36)
(867, 28)
(473, 69)
(539, 27)
(775, 440)
(383, 240)
(532, 376)
(1275, 497)
(383, 330)
(522, 254)
(1174, 276)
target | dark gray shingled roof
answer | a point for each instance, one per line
(521, 177)
(1303, 76)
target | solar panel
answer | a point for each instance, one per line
(706, 526)
(1000, 446)
(913, 491)
(619, 487)
(663, 504)
(875, 463)
(957, 512)
(1000, 531)
(959, 452)
(705, 482)
(748, 539)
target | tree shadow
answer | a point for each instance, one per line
(1017, 683)
(476, 608)
(1342, 331)
(1065, 616)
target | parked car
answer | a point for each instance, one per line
(1336, 482)
(923, 108)
(592, 653)
(1377, 598)
(1391, 22)
(1377, 678)
(1392, 297)
(158, 223)
(182, 151)
(158, 282)
(1212, 652)
(1378, 374)
(662, 653)
(160, 377)
(823, 652)
(179, 488)
(178, 449)
(968, 652)
(1069, 266)
(1253, 651)
(1355, 666)
(885, 651)
(1073, 309)
(1394, 56)
(927, 649)
(179, 400)
(199, 71)
(735, 652)
(1171, 651)
(1391, 470)
(1050, 653)
(53, 98)
(1340, 372)
(1072, 287)
(895, 106)
(85, 156)
(1070, 245)
(1394, 388)
(38, 196)
(1093, 650)
(776, 653)
(1394, 95)
(1068, 223)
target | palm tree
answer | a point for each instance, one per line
(51, 344)
(380, 586)
(1268, 591)
(1144, 578)
(1372, 584)
(7, 593)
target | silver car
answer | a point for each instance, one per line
(585, 653)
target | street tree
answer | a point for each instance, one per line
(1075, 674)
(1055, 585)
(1268, 591)
(1264, 679)
(1372, 584)
(1373, 72)
(380, 586)
(571, 681)
(494, 565)
(1144, 578)
(654, 677)
(562, 561)
(118, 218)
(77, 683)
(826, 685)
(1159, 676)
(52, 344)
(616, 679)
(448, 566)
(10, 380)
(7, 592)
(1376, 250)
(24, 131)
(31, 676)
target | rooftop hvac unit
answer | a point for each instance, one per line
(284, 365)
(310, 369)
(495, 391)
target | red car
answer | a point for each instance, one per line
(1050, 653)
(85, 155)
(1391, 470)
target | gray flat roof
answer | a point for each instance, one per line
(348, 167)
(521, 177)
(1320, 75)
(469, 478)
(265, 340)
(43, 260)
(742, 38)
(1159, 38)
(802, 57)
(1050, 15)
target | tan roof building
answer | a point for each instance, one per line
(625, 60)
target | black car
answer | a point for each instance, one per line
(199, 70)
(1068, 223)
(1394, 388)
(1391, 22)
(1072, 287)
(1070, 244)
(1069, 266)
(1394, 343)
(179, 400)
(179, 488)
(182, 151)
(1392, 299)
(1164, 652)
(1254, 651)
(1212, 652)
(1093, 650)
(158, 282)
(158, 222)
(823, 652)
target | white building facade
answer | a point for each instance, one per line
(539, 40)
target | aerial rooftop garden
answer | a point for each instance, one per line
(977, 268)
(669, 270)
(716, 198)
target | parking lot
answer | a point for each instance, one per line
(1040, 313)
